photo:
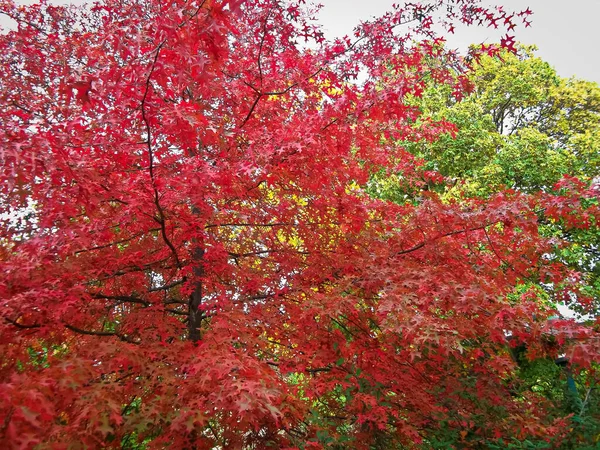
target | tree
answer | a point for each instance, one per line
(190, 259)
(522, 126)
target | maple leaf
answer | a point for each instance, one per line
(83, 89)
(508, 42)
(104, 427)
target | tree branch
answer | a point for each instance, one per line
(168, 286)
(21, 325)
(122, 241)
(100, 333)
(451, 233)
(161, 214)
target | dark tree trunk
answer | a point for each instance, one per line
(195, 314)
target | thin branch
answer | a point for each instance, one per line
(121, 299)
(19, 20)
(122, 241)
(265, 252)
(176, 312)
(100, 333)
(258, 97)
(194, 14)
(312, 371)
(332, 122)
(318, 369)
(451, 233)
(175, 302)
(7, 419)
(168, 286)
(585, 401)
(126, 408)
(21, 325)
(260, 48)
(161, 215)
(264, 225)
(132, 269)
(502, 260)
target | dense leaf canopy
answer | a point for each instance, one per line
(522, 127)
(192, 255)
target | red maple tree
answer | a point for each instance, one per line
(189, 257)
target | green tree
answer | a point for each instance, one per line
(525, 128)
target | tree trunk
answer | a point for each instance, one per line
(195, 315)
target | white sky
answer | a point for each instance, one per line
(567, 32)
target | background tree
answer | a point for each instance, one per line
(521, 126)
(199, 266)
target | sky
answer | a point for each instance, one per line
(567, 32)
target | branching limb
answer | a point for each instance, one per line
(161, 214)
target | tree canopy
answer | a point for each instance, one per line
(519, 126)
(193, 255)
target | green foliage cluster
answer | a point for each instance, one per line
(523, 127)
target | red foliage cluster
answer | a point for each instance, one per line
(188, 256)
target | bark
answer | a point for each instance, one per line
(195, 314)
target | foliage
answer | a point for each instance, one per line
(200, 266)
(521, 126)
